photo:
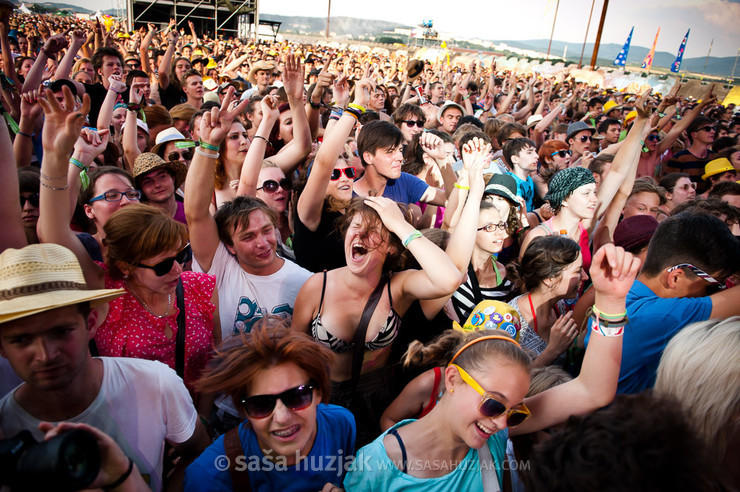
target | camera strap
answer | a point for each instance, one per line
(233, 449)
(180, 341)
(358, 351)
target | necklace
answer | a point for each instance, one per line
(141, 301)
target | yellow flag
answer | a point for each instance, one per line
(444, 45)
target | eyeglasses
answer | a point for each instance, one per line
(561, 153)
(261, 406)
(165, 266)
(117, 196)
(653, 138)
(185, 155)
(348, 171)
(492, 227)
(706, 129)
(412, 123)
(686, 187)
(271, 186)
(32, 199)
(699, 273)
(491, 407)
(585, 138)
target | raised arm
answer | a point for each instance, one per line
(52, 46)
(310, 203)
(708, 98)
(68, 61)
(30, 112)
(613, 271)
(166, 64)
(7, 57)
(200, 183)
(128, 140)
(144, 52)
(323, 81)
(61, 130)
(115, 87)
(256, 153)
(10, 211)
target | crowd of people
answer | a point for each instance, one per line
(282, 266)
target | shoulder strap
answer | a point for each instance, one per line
(488, 470)
(404, 459)
(233, 449)
(546, 228)
(435, 390)
(180, 342)
(323, 289)
(475, 286)
(358, 351)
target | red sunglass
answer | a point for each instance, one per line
(350, 172)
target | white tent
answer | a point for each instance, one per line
(24, 9)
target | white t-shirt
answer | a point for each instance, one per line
(140, 404)
(245, 298)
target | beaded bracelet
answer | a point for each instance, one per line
(84, 178)
(414, 235)
(208, 146)
(55, 188)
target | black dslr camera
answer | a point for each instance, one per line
(67, 462)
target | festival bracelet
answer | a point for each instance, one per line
(208, 146)
(199, 150)
(84, 178)
(461, 187)
(609, 317)
(607, 328)
(414, 235)
(357, 107)
(314, 105)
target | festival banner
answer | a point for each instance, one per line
(679, 57)
(648, 61)
(621, 58)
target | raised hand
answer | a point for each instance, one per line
(341, 90)
(562, 333)
(116, 84)
(293, 77)
(388, 211)
(433, 146)
(363, 88)
(62, 126)
(216, 123)
(91, 144)
(269, 105)
(613, 270)
(30, 107)
(55, 44)
(645, 104)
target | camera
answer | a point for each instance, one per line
(66, 462)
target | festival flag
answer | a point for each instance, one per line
(648, 61)
(621, 58)
(679, 57)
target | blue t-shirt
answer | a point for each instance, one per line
(525, 189)
(373, 470)
(406, 189)
(653, 321)
(327, 461)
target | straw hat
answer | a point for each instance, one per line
(148, 162)
(42, 277)
(260, 65)
(168, 135)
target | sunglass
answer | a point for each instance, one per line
(686, 187)
(653, 138)
(133, 65)
(492, 408)
(261, 406)
(699, 273)
(117, 196)
(245, 64)
(585, 138)
(492, 227)
(561, 153)
(185, 155)
(271, 186)
(165, 266)
(276, 74)
(706, 129)
(412, 123)
(348, 171)
(32, 199)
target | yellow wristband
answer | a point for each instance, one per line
(462, 187)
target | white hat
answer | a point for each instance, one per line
(446, 106)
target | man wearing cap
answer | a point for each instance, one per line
(680, 284)
(448, 116)
(612, 110)
(158, 179)
(47, 319)
(579, 139)
(259, 77)
(717, 171)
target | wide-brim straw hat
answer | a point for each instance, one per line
(149, 161)
(260, 65)
(42, 277)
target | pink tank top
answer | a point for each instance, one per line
(583, 242)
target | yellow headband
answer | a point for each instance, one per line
(489, 337)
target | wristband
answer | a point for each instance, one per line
(609, 317)
(353, 111)
(414, 235)
(43, 50)
(357, 107)
(84, 178)
(461, 187)
(608, 329)
(336, 110)
(314, 105)
(208, 146)
(122, 478)
(260, 136)
(24, 134)
(466, 97)
(202, 152)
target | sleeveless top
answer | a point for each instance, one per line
(436, 393)
(383, 339)
(470, 293)
(583, 241)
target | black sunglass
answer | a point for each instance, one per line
(653, 138)
(561, 153)
(276, 74)
(585, 138)
(185, 155)
(165, 266)
(271, 186)
(133, 65)
(412, 123)
(261, 406)
(706, 129)
(348, 171)
(32, 199)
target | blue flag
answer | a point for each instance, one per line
(621, 58)
(679, 57)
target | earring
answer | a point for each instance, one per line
(452, 390)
